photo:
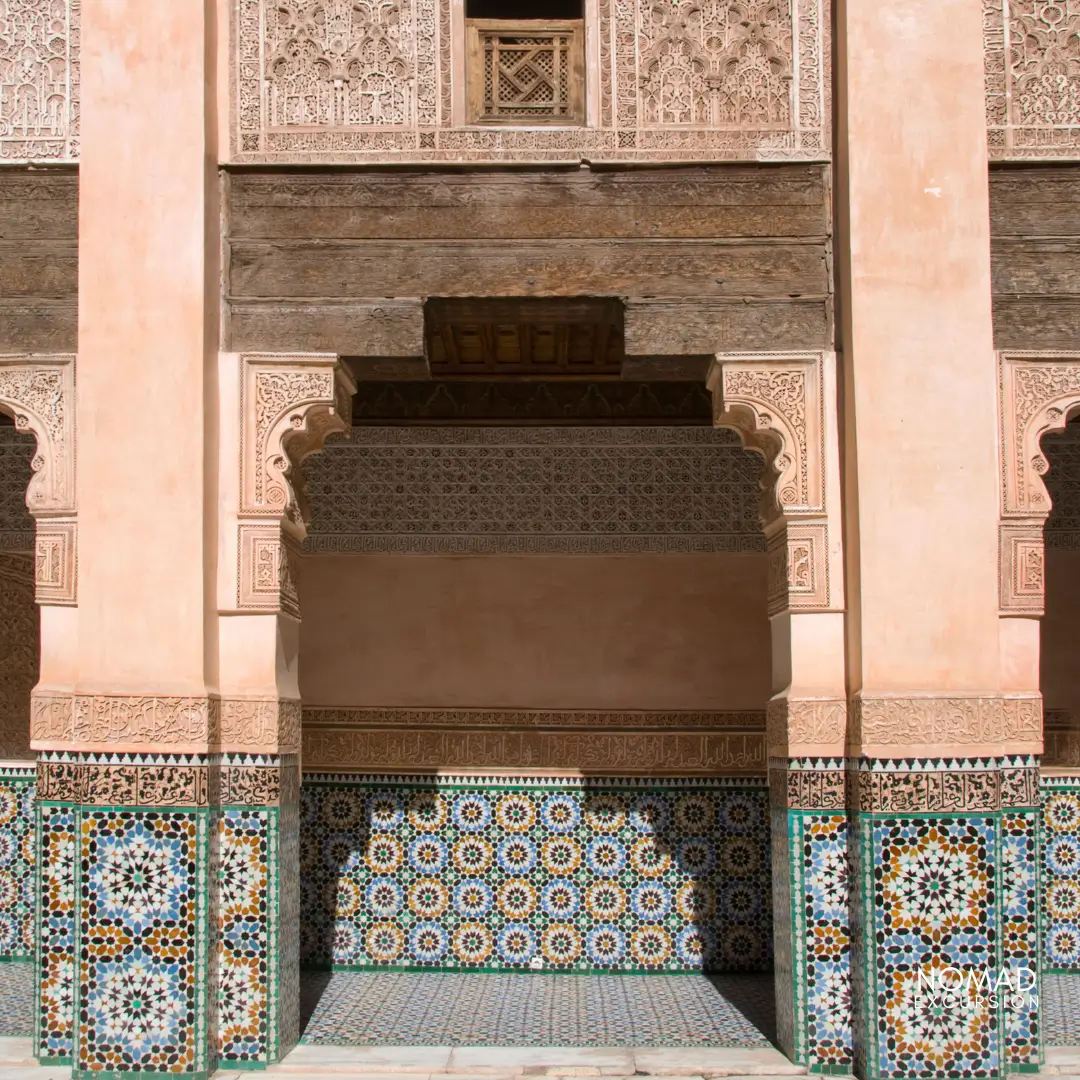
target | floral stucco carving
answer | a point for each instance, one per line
(289, 404)
(39, 80)
(1032, 51)
(1037, 393)
(38, 392)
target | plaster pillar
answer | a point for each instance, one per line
(275, 410)
(784, 406)
(944, 730)
(126, 718)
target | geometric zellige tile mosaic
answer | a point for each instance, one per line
(563, 875)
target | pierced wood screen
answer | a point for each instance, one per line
(526, 72)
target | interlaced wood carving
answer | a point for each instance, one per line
(39, 80)
(526, 73)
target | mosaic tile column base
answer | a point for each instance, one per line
(258, 957)
(1060, 865)
(124, 928)
(18, 858)
(945, 909)
(811, 901)
(167, 923)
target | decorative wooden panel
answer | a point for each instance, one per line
(526, 72)
(539, 338)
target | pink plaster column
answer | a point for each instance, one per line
(126, 774)
(942, 744)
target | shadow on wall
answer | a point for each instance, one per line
(535, 874)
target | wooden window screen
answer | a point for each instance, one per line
(526, 71)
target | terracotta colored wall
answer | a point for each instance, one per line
(1060, 669)
(621, 632)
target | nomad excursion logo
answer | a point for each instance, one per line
(1013, 988)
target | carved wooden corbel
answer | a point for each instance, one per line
(777, 404)
(1037, 392)
(289, 404)
(38, 391)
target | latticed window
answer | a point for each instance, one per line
(526, 71)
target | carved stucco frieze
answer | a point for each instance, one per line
(615, 753)
(1037, 392)
(260, 725)
(39, 393)
(881, 725)
(121, 722)
(378, 80)
(614, 742)
(289, 404)
(806, 726)
(1032, 64)
(39, 81)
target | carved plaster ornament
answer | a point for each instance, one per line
(39, 81)
(1037, 393)
(1032, 50)
(377, 80)
(289, 404)
(776, 403)
(39, 393)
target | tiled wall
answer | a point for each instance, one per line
(503, 874)
(17, 859)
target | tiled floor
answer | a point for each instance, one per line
(471, 1009)
(17, 999)
(1060, 1001)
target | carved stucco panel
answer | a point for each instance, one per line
(39, 81)
(1037, 392)
(682, 80)
(1032, 64)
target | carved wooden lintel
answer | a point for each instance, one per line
(1037, 392)
(38, 391)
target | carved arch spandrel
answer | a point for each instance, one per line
(777, 402)
(38, 391)
(1037, 393)
(289, 405)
